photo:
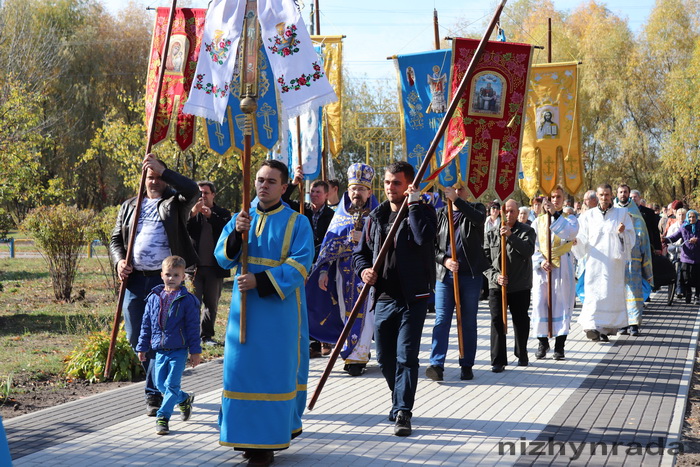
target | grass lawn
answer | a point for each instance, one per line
(37, 333)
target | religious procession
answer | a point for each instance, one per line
(488, 198)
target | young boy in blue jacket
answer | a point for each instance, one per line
(170, 327)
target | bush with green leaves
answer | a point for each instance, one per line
(89, 358)
(61, 234)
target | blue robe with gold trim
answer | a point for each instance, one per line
(265, 379)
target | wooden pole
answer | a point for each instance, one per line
(549, 216)
(455, 278)
(450, 221)
(248, 103)
(139, 196)
(504, 272)
(300, 164)
(378, 263)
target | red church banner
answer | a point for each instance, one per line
(180, 64)
(488, 121)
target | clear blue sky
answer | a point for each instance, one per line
(376, 29)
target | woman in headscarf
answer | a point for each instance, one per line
(690, 255)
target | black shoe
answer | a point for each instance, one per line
(634, 330)
(498, 368)
(354, 369)
(162, 426)
(466, 374)
(604, 338)
(523, 361)
(392, 416)
(403, 423)
(592, 334)
(558, 355)
(261, 457)
(210, 342)
(434, 372)
(687, 298)
(623, 331)
(186, 407)
(152, 405)
(542, 348)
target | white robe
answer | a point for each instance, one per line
(604, 306)
(563, 285)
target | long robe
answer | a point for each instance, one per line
(563, 231)
(604, 305)
(639, 273)
(329, 310)
(265, 379)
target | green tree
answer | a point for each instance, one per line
(60, 232)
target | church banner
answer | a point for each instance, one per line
(551, 146)
(422, 79)
(180, 63)
(331, 49)
(228, 135)
(489, 117)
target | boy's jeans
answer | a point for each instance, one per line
(169, 366)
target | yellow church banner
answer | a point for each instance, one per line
(332, 51)
(551, 152)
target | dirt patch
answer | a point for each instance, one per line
(31, 395)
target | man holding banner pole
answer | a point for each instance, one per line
(520, 246)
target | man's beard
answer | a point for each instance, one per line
(357, 204)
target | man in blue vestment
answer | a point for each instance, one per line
(333, 287)
(265, 377)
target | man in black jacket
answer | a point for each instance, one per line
(520, 246)
(469, 263)
(161, 232)
(207, 220)
(401, 287)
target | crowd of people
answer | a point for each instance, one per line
(300, 267)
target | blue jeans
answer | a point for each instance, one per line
(169, 365)
(469, 291)
(397, 331)
(137, 289)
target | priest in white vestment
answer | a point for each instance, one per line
(606, 234)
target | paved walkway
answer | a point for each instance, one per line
(617, 403)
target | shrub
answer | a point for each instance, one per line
(60, 233)
(89, 358)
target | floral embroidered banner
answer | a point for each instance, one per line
(180, 64)
(489, 116)
(551, 146)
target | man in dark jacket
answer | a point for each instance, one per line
(468, 263)
(520, 246)
(401, 287)
(207, 220)
(161, 232)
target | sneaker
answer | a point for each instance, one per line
(403, 423)
(162, 426)
(604, 337)
(623, 331)
(152, 405)
(434, 372)
(210, 342)
(466, 374)
(186, 407)
(558, 355)
(542, 348)
(634, 330)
